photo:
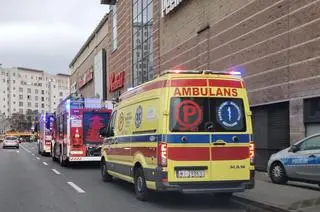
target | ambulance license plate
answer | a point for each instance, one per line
(190, 173)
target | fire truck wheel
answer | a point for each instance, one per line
(105, 176)
(140, 185)
(62, 161)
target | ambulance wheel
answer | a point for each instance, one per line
(104, 172)
(278, 173)
(140, 185)
(223, 197)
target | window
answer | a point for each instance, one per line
(29, 90)
(36, 105)
(142, 41)
(4, 80)
(14, 88)
(13, 81)
(60, 94)
(21, 97)
(54, 86)
(28, 97)
(29, 104)
(36, 98)
(36, 91)
(42, 91)
(21, 104)
(42, 105)
(14, 95)
(20, 89)
(14, 102)
(114, 27)
(312, 143)
(40, 78)
(42, 98)
(211, 118)
(20, 110)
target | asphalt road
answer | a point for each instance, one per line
(30, 183)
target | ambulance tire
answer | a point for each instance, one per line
(104, 172)
(140, 185)
(223, 197)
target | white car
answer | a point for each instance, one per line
(300, 162)
(10, 141)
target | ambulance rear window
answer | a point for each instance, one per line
(193, 114)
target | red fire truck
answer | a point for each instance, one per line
(78, 121)
(46, 133)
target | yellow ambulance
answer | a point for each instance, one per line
(187, 131)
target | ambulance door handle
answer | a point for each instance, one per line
(219, 143)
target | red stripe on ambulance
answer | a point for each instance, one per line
(189, 153)
(229, 153)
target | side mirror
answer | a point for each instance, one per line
(103, 132)
(294, 148)
(111, 134)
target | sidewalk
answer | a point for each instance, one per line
(291, 197)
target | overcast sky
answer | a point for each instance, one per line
(45, 34)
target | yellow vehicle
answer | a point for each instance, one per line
(187, 131)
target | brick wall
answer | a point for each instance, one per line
(121, 58)
(275, 42)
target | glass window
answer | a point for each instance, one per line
(193, 114)
(29, 90)
(36, 98)
(21, 97)
(36, 91)
(29, 104)
(42, 91)
(114, 27)
(20, 89)
(42, 105)
(20, 110)
(42, 98)
(36, 105)
(61, 94)
(21, 104)
(312, 143)
(142, 41)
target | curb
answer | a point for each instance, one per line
(259, 204)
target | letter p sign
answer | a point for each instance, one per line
(188, 114)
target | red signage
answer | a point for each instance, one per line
(87, 77)
(116, 81)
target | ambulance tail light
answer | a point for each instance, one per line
(163, 154)
(251, 152)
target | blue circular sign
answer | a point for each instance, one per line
(229, 114)
(138, 119)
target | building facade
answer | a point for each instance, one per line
(25, 89)
(275, 44)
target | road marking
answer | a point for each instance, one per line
(33, 154)
(45, 163)
(55, 171)
(38, 158)
(77, 188)
(25, 149)
(17, 151)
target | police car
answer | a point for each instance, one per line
(300, 162)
